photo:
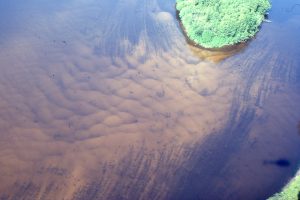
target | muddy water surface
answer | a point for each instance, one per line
(106, 100)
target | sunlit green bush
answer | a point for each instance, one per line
(217, 23)
(289, 192)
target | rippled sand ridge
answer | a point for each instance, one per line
(106, 100)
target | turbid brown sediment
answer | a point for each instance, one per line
(77, 123)
(124, 110)
(118, 125)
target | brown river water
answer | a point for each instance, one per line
(105, 99)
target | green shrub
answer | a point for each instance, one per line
(217, 23)
(290, 191)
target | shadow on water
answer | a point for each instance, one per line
(282, 162)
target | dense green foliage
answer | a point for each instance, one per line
(216, 23)
(289, 192)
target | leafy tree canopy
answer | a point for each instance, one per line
(291, 191)
(217, 23)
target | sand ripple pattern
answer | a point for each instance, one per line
(105, 100)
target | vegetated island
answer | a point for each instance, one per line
(291, 191)
(221, 23)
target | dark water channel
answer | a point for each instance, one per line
(106, 100)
